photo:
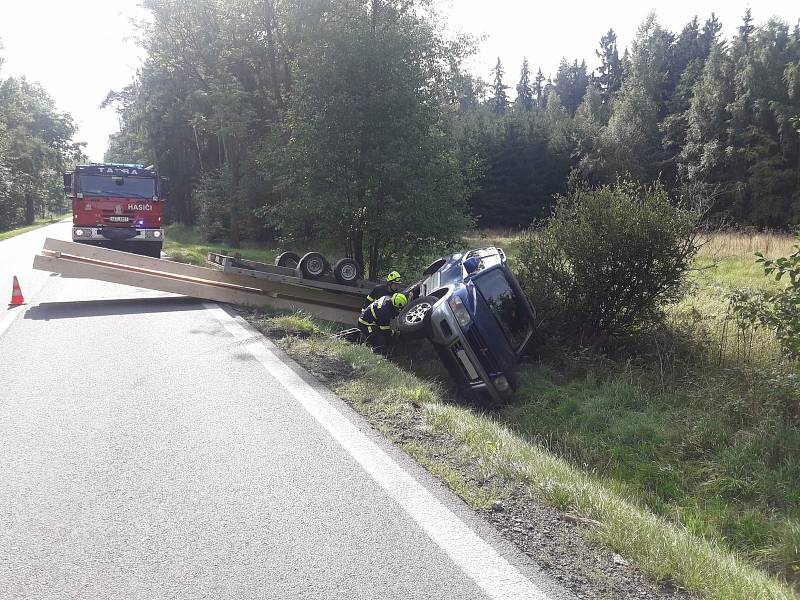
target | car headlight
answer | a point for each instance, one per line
(156, 234)
(460, 311)
(79, 232)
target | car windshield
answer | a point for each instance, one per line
(507, 307)
(126, 187)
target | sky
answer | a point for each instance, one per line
(81, 49)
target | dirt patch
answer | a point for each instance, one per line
(557, 543)
(328, 369)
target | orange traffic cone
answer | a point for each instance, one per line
(16, 294)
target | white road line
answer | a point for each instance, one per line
(479, 561)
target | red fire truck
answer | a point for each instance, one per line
(118, 206)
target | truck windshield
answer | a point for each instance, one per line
(507, 307)
(126, 187)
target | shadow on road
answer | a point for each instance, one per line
(101, 308)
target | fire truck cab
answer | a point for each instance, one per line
(118, 206)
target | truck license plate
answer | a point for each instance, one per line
(119, 219)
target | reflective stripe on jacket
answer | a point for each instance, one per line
(379, 292)
(379, 314)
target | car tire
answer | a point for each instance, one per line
(289, 260)
(414, 320)
(313, 265)
(346, 271)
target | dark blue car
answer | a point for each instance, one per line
(471, 307)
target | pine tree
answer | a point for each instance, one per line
(500, 98)
(538, 89)
(571, 82)
(524, 92)
(746, 28)
(609, 73)
(710, 34)
(702, 163)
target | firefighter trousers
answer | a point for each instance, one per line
(374, 337)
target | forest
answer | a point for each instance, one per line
(343, 120)
(358, 122)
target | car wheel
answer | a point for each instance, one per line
(290, 260)
(313, 265)
(346, 271)
(414, 320)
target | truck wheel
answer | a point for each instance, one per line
(414, 320)
(289, 260)
(313, 265)
(346, 271)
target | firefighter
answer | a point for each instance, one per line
(392, 286)
(375, 320)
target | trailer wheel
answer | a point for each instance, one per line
(289, 260)
(313, 265)
(414, 320)
(346, 271)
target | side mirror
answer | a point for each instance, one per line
(163, 184)
(68, 184)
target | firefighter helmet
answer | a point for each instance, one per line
(399, 300)
(393, 277)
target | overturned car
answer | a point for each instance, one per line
(472, 309)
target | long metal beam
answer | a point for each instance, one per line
(80, 260)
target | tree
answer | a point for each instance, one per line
(35, 148)
(570, 84)
(372, 171)
(702, 161)
(524, 92)
(709, 37)
(538, 89)
(632, 141)
(499, 99)
(609, 74)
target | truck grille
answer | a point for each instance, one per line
(481, 350)
(111, 217)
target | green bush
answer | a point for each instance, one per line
(607, 261)
(778, 311)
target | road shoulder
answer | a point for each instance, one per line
(557, 544)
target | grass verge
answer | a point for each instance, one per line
(388, 395)
(185, 244)
(4, 235)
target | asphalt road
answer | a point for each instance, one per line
(16, 258)
(152, 446)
